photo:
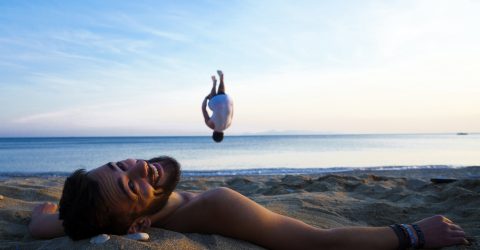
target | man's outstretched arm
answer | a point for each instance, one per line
(226, 212)
(45, 223)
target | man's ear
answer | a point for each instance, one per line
(140, 225)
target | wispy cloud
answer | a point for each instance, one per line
(134, 25)
(101, 43)
(41, 117)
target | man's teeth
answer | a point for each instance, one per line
(155, 174)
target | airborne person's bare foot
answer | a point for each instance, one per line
(220, 75)
(214, 80)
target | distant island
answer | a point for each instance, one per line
(462, 133)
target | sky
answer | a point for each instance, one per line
(134, 68)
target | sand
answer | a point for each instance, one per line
(330, 200)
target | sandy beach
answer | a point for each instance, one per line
(360, 198)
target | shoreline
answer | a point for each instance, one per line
(395, 170)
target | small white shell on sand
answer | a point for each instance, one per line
(100, 239)
(138, 236)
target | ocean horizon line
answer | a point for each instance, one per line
(237, 135)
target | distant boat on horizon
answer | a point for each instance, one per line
(462, 133)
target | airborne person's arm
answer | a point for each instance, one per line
(206, 117)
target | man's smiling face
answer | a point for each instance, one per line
(137, 187)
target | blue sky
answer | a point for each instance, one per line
(79, 68)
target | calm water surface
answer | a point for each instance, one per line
(262, 153)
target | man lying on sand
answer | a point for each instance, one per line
(130, 196)
(221, 105)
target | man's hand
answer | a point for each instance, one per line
(45, 208)
(45, 223)
(440, 231)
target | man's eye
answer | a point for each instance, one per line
(131, 185)
(121, 166)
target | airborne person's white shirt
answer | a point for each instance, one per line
(222, 108)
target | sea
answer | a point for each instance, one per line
(237, 155)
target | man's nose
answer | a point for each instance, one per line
(139, 169)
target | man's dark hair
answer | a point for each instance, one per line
(84, 211)
(217, 136)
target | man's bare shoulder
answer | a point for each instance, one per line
(176, 201)
(187, 196)
(195, 209)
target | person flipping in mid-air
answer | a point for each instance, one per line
(221, 106)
